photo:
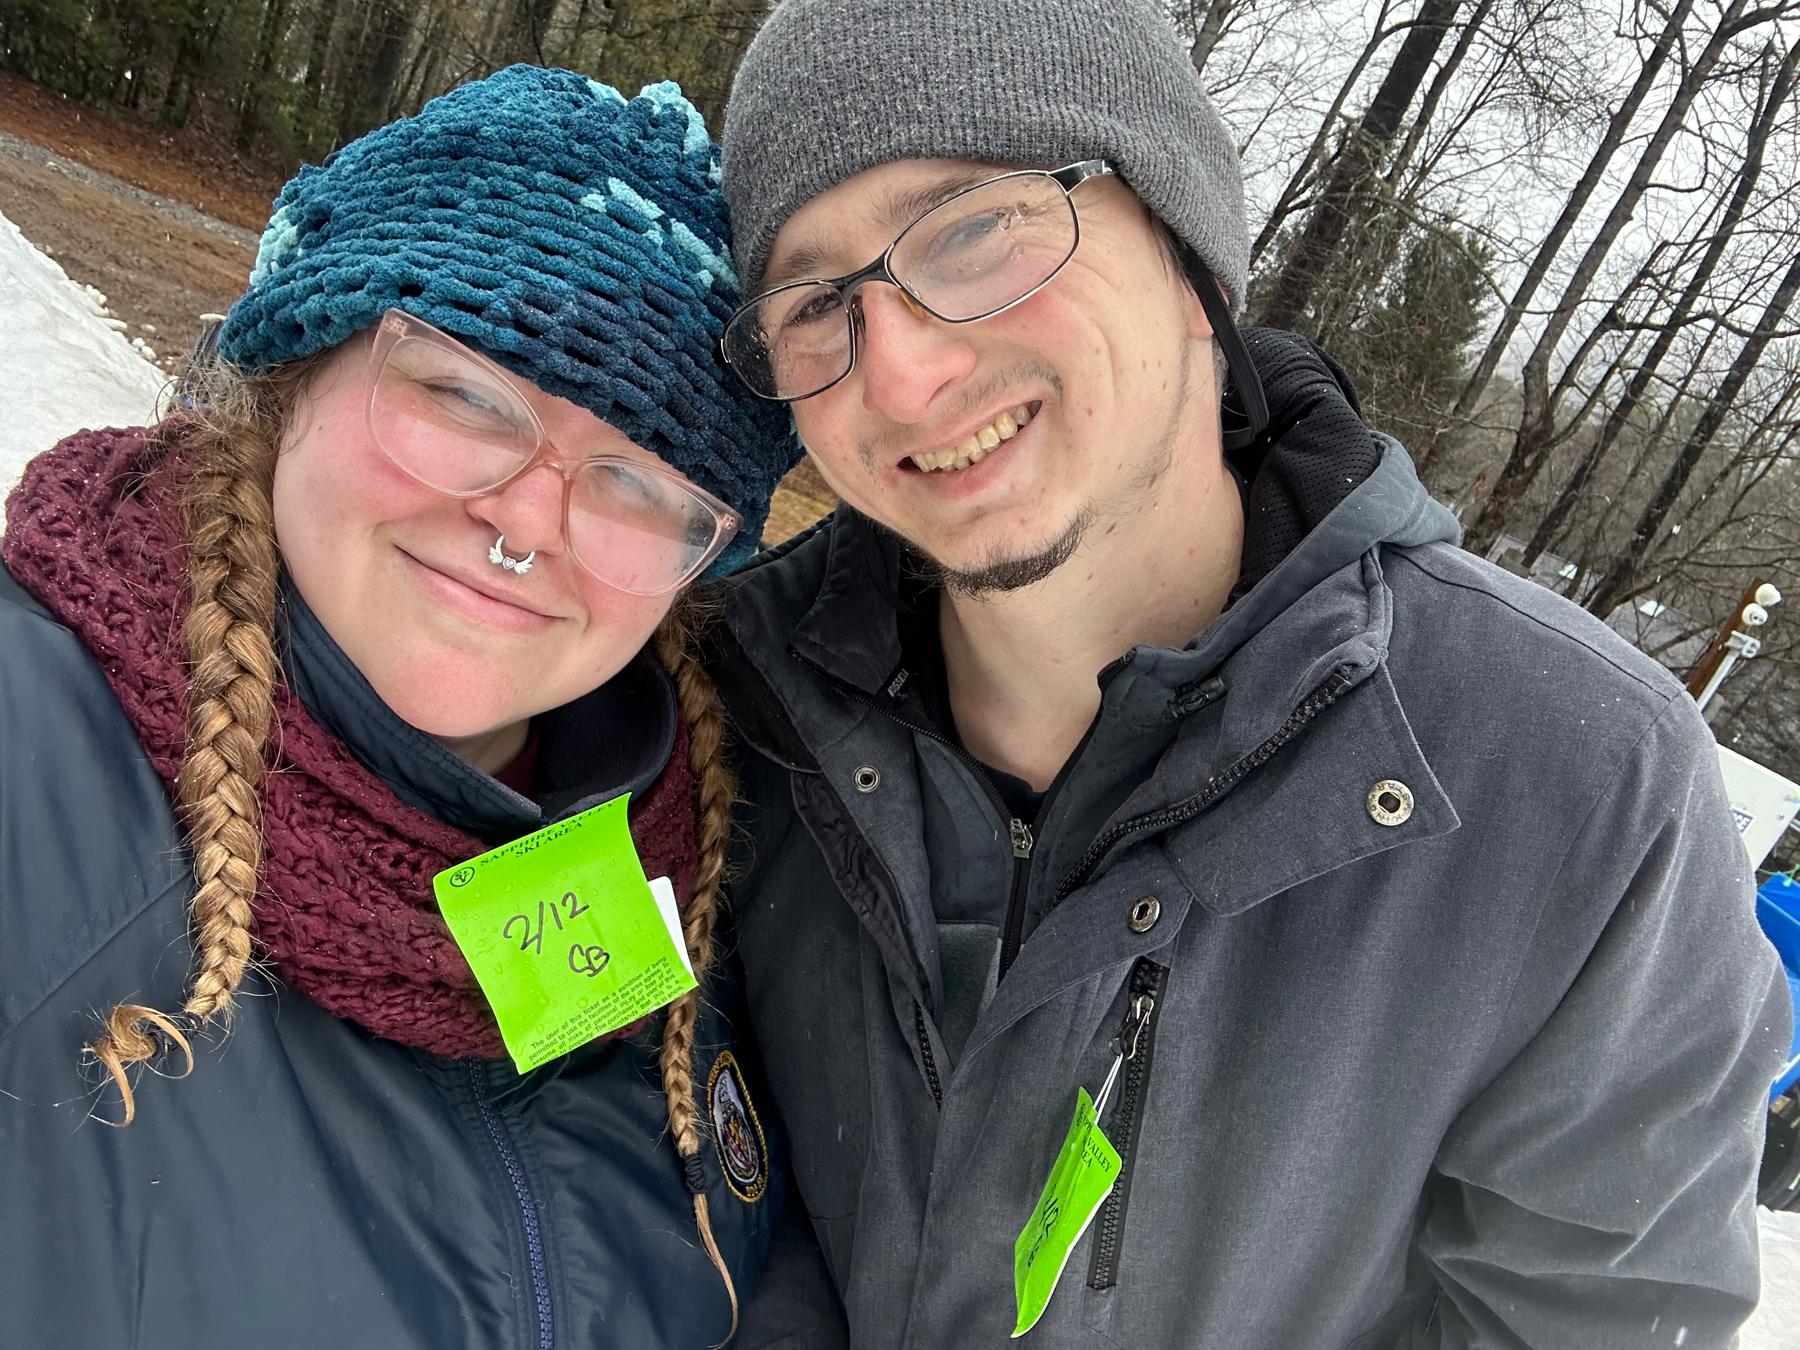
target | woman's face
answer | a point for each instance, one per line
(400, 576)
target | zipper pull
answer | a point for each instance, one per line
(1021, 837)
(1137, 1017)
(1125, 1046)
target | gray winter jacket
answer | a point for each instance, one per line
(1489, 1076)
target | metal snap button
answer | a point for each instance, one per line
(1390, 802)
(1145, 913)
(867, 778)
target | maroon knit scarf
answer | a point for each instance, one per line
(345, 910)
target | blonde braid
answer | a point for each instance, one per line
(233, 565)
(715, 787)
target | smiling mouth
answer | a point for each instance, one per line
(979, 445)
(489, 594)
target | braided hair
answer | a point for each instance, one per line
(231, 441)
(715, 788)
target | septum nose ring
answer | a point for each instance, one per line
(497, 555)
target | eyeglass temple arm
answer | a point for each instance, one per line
(1245, 414)
(1073, 176)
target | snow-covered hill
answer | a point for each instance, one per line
(63, 366)
(1776, 1324)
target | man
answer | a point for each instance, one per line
(1388, 906)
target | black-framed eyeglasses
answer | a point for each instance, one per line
(970, 257)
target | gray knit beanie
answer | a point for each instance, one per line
(832, 87)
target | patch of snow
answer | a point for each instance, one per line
(1772, 1325)
(63, 364)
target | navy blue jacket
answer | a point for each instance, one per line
(310, 1184)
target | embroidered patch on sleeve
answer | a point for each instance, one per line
(737, 1133)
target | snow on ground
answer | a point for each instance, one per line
(1776, 1323)
(63, 364)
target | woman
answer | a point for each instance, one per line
(397, 587)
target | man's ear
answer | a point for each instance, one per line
(1179, 266)
(1200, 326)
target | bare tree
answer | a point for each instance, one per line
(1762, 125)
(1211, 24)
(369, 84)
(1307, 166)
(1290, 290)
(1574, 204)
(323, 26)
(1618, 578)
(1534, 438)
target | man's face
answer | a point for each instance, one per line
(1107, 368)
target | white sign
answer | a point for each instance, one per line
(1763, 803)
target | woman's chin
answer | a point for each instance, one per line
(472, 715)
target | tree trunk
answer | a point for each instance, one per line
(324, 23)
(409, 97)
(1435, 94)
(250, 109)
(1756, 144)
(1292, 288)
(1532, 444)
(735, 23)
(528, 39)
(422, 82)
(1210, 29)
(193, 60)
(1618, 577)
(136, 46)
(369, 100)
(1302, 175)
(390, 56)
(1590, 179)
(354, 52)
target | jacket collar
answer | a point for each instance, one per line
(1309, 707)
(852, 627)
(1310, 687)
(831, 597)
(613, 740)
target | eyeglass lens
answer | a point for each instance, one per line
(967, 258)
(451, 424)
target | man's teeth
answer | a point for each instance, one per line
(979, 446)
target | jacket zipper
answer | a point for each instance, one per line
(925, 1056)
(515, 1171)
(1018, 830)
(1327, 693)
(1013, 936)
(1137, 1042)
(1137, 1037)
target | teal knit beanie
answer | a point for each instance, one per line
(575, 237)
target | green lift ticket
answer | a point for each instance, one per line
(566, 937)
(1079, 1182)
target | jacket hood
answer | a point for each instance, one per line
(1323, 489)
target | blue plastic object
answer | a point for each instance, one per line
(1778, 911)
